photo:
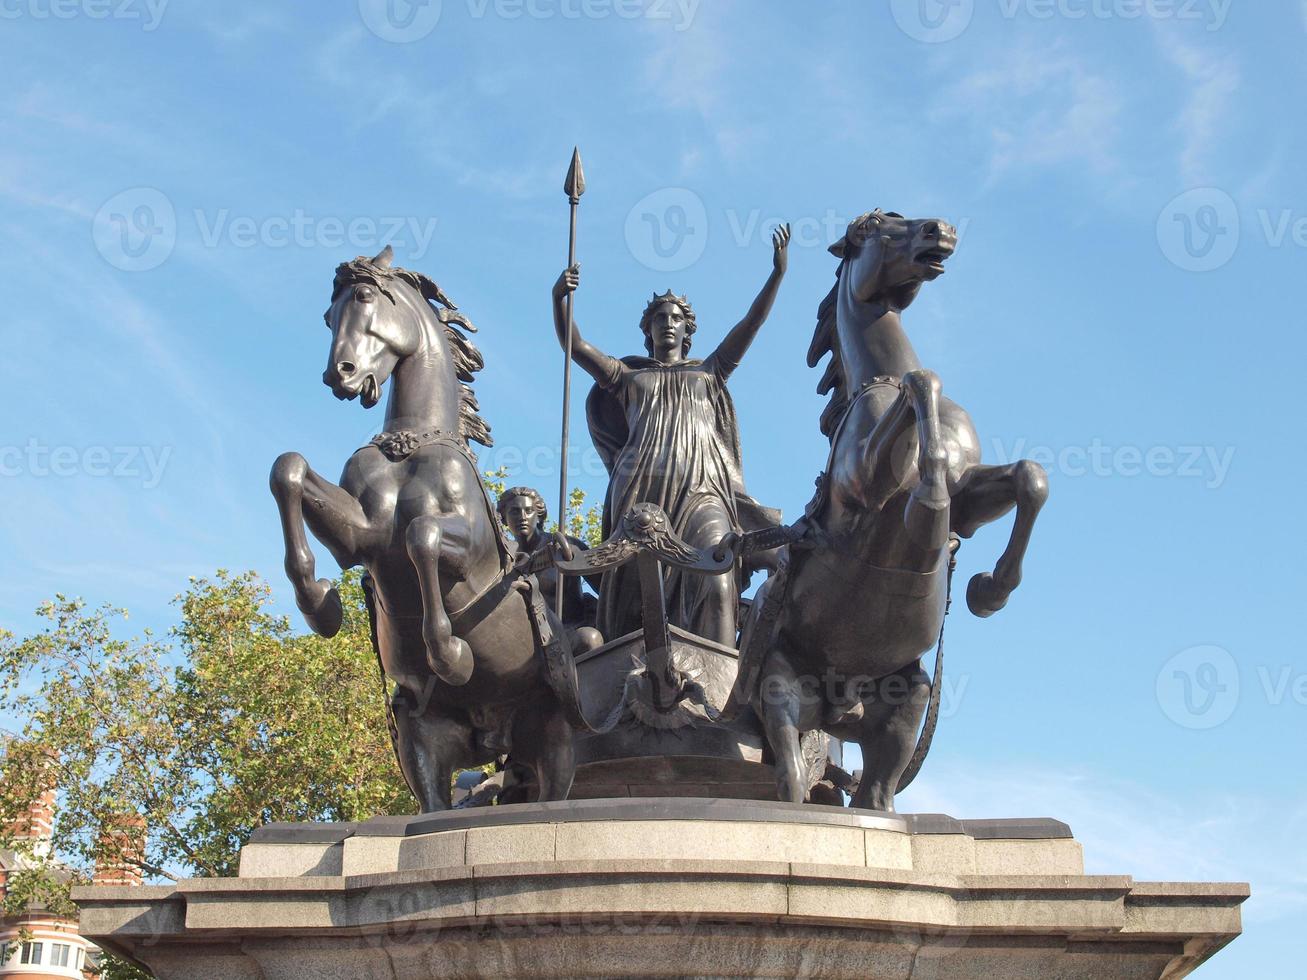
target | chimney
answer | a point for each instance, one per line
(37, 821)
(35, 824)
(122, 848)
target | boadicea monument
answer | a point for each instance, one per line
(669, 791)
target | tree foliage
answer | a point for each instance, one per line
(232, 721)
(236, 723)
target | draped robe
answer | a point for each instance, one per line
(668, 435)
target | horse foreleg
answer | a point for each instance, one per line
(335, 518)
(882, 462)
(781, 708)
(887, 734)
(434, 543)
(926, 517)
(989, 492)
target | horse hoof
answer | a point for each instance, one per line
(454, 666)
(984, 597)
(322, 609)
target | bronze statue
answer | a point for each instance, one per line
(665, 427)
(456, 628)
(525, 514)
(834, 640)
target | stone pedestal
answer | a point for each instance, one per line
(665, 887)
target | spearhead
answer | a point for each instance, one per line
(574, 185)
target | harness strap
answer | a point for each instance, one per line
(819, 499)
(937, 682)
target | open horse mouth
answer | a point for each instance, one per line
(370, 392)
(933, 258)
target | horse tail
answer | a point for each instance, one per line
(370, 600)
(936, 685)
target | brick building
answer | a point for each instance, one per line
(53, 947)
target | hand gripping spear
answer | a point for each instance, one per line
(573, 187)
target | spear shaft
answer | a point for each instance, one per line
(574, 187)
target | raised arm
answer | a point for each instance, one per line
(595, 362)
(732, 349)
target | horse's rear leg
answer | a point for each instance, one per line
(989, 492)
(429, 747)
(553, 756)
(887, 734)
(780, 703)
(336, 518)
(433, 542)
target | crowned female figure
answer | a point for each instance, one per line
(666, 429)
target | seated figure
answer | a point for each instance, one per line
(524, 513)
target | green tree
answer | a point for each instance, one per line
(237, 723)
(232, 722)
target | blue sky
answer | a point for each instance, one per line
(178, 181)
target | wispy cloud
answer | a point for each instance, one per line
(234, 27)
(1212, 81)
(372, 93)
(367, 89)
(1040, 108)
(1135, 830)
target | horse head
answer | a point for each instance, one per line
(380, 318)
(887, 256)
(884, 259)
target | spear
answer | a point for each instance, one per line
(573, 187)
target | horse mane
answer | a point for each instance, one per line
(467, 359)
(825, 340)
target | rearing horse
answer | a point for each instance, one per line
(454, 628)
(835, 639)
